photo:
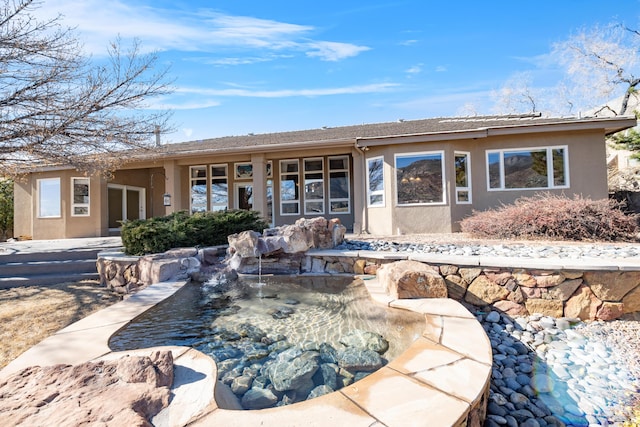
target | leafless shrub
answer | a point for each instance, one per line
(548, 216)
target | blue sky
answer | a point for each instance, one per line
(267, 66)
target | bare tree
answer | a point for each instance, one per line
(56, 107)
(602, 63)
(516, 96)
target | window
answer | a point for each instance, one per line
(339, 200)
(527, 168)
(80, 196)
(49, 198)
(219, 188)
(463, 179)
(375, 181)
(420, 178)
(289, 187)
(313, 186)
(198, 185)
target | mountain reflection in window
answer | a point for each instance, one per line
(420, 179)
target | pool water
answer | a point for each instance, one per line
(245, 327)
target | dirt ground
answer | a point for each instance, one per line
(30, 314)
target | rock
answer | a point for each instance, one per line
(545, 307)
(411, 279)
(363, 340)
(469, 274)
(583, 304)
(564, 290)
(240, 385)
(510, 308)
(611, 285)
(542, 383)
(259, 398)
(245, 244)
(354, 360)
(456, 286)
(358, 266)
(483, 291)
(293, 373)
(610, 311)
(493, 317)
(90, 393)
(549, 280)
(320, 391)
(631, 301)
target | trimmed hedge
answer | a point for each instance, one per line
(179, 230)
(551, 217)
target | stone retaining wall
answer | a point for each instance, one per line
(588, 295)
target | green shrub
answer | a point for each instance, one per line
(180, 229)
(547, 216)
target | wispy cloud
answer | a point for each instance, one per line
(440, 69)
(416, 69)
(288, 93)
(206, 30)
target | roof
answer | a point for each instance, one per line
(444, 128)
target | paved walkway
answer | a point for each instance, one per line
(37, 246)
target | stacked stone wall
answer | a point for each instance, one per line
(588, 295)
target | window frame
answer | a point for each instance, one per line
(206, 184)
(550, 170)
(75, 205)
(468, 188)
(375, 193)
(321, 180)
(442, 171)
(39, 183)
(347, 172)
(293, 202)
(213, 206)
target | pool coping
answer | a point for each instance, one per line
(443, 377)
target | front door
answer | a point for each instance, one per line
(125, 203)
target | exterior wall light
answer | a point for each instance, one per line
(166, 198)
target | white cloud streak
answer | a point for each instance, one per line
(288, 93)
(100, 22)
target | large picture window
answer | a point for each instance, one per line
(463, 178)
(420, 178)
(289, 187)
(219, 188)
(198, 186)
(527, 168)
(49, 198)
(339, 200)
(80, 196)
(375, 182)
(313, 186)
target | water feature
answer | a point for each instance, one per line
(278, 340)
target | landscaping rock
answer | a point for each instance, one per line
(363, 340)
(412, 279)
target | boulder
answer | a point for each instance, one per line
(610, 311)
(456, 286)
(546, 307)
(245, 244)
(411, 279)
(511, 308)
(128, 391)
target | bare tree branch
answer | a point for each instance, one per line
(56, 107)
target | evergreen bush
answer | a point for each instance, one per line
(156, 235)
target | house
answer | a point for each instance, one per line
(409, 176)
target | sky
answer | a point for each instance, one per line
(247, 66)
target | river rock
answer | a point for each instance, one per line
(291, 373)
(363, 340)
(258, 398)
(353, 360)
